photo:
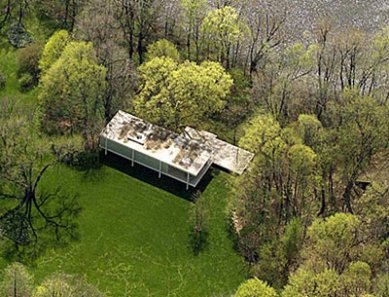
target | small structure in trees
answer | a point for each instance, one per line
(185, 157)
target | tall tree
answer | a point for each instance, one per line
(110, 52)
(138, 19)
(360, 123)
(72, 93)
(195, 11)
(221, 29)
(53, 49)
(176, 95)
(24, 160)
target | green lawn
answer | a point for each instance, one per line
(135, 238)
(9, 67)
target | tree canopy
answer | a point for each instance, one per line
(175, 95)
(72, 90)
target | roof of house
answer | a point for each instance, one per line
(225, 155)
(189, 151)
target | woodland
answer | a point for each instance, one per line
(306, 91)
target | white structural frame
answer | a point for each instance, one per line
(133, 160)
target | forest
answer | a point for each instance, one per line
(304, 85)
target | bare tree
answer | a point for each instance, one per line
(24, 161)
(99, 23)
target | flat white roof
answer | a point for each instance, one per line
(189, 151)
(164, 145)
(225, 155)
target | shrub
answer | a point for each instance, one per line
(26, 82)
(3, 80)
(29, 60)
(18, 36)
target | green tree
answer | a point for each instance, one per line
(53, 49)
(16, 282)
(356, 279)
(280, 255)
(221, 29)
(65, 286)
(381, 286)
(360, 126)
(71, 93)
(333, 242)
(176, 95)
(334, 260)
(307, 283)
(29, 58)
(163, 48)
(286, 166)
(255, 288)
(195, 11)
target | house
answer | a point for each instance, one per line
(185, 157)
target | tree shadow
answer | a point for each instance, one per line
(149, 176)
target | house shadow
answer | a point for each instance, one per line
(149, 176)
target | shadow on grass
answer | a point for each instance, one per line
(149, 176)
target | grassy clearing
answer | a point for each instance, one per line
(9, 66)
(135, 238)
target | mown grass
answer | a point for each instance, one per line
(9, 67)
(134, 238)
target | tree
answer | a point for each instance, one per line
(199, 222)
(14, 9)
(72, 93)
(32, 213)
(279, 255)
(306, 283)
(108, 43)
(283, 166)
(360, 126)
(283, 80)
(266, 27)
(332, 264)
(29, 58)
(163, 48)
(176, 95)
(194, 11)
(356, 279)
(381, 287)
(53, 49)
(63, 13)
(255, 288)
(137, 21)
(333, 241)
(65, 286)
(222, 28)
(16, 282)
(334, 260)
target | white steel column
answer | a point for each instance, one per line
(160, 169)
(132, 158)
(187, 181)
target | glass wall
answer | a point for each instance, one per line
(153, 163)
